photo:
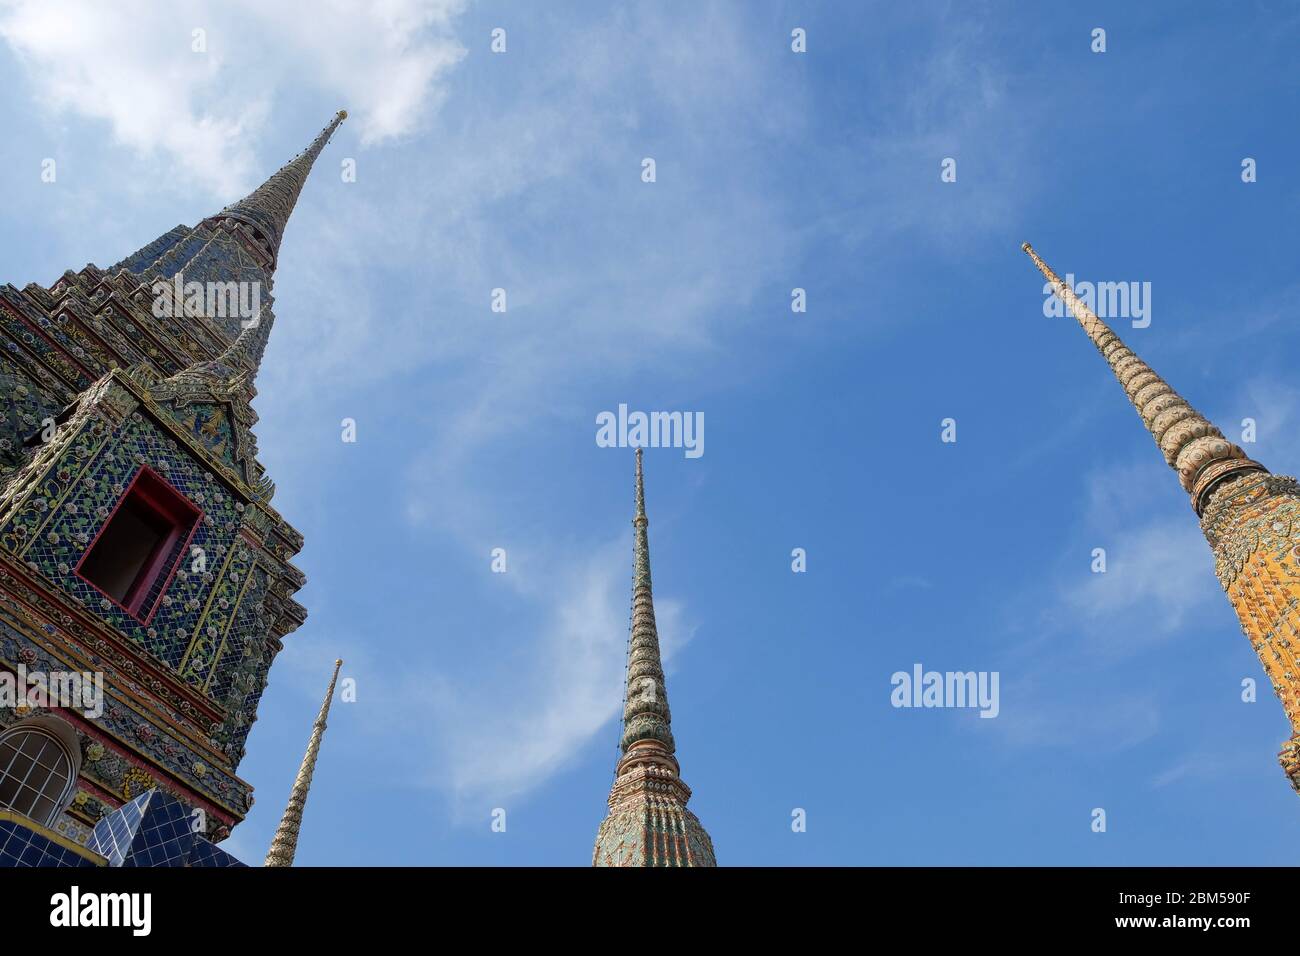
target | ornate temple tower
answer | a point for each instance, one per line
(137, 536)
(1250, 517)
(648, 823)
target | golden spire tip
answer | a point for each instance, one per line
(284, 845)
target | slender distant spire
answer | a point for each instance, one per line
(648, 822)
(268, 207)
(285, 843)
(645, 709)
(1191, 444)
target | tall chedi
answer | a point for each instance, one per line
(137, 535)
(1251, 518)
(648, 823)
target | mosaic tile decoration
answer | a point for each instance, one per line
(23, 845)
(113, 835)
(55, 528)
(209, 855)
(23, 406)
(120, 726)
(155, 829)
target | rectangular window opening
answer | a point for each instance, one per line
(138, 548)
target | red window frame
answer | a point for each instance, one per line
(158, 495)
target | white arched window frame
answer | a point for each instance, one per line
(38, 771)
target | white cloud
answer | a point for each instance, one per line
(1159, 568)
(383, 57)
(1158, 575)
(509, 734)
(132, 65)
(1275, 406)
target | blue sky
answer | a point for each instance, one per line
(775, 170)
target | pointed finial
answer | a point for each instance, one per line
(1192, 445)
(640, 491)
(264, 212)
(645, 710)
(285, 843)
(268, 207)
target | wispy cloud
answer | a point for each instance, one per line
(1158, 574)
(1202, 766)
(134, 65)
(508, 734)
(1043, 710)
(1275, 407)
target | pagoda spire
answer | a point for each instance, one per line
(646, 717)
(1250, 517)
(648, 822)
(239, 243)
(234, 249)
(1191, 444)
(268, 207)
(285, 843)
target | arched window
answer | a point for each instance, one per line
(37, 772)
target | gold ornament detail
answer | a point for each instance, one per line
(135, 782)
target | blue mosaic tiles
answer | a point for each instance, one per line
(205, 854)
(155, 829)
(141, 259)
(22, 843)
